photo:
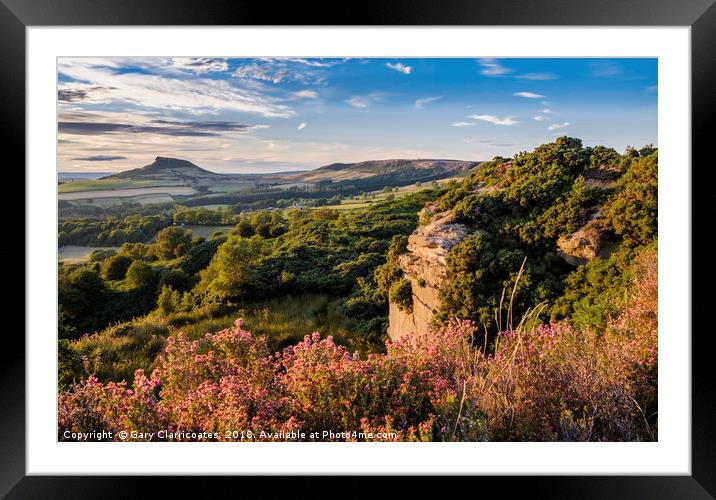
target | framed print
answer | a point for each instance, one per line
(417, 242)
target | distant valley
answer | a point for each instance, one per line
(168, 180)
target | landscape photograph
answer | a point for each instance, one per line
(357, 249)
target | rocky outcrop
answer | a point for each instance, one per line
(587, 243)
(600, 178)
(424, 265)
(582, 245)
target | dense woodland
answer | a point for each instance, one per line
(581, 366)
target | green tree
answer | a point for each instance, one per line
(172, 242)
(115, 267)
(245, 228)
(140, 275)
(176, 279)
(80, 292)
(264, 230)
(100, 254)
(232, 273)
(169, 300)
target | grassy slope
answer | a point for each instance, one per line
(98, 185)
(126, 347)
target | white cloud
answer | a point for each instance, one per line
(492, 67)
(420, 103)
(528, 95)
(495, 120)
(302, 125)
(539, 118)
(261, 72)
(537, 76)
(195, 96)
(279, 69)
(652, 88)
(557, 126)
(316, 63)
(545, 110)
(365, 101)
(306, 94)
(199, 65)
(402, 68)
(358, 102)
(462, 124)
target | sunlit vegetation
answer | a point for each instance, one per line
(526, 345)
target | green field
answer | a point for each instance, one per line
(374, 197)
(72, 254)
(207, 231)
(213, 207)
(98, 185)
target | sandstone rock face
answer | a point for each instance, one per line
(582, 245)
(600, 178)
(424, 265)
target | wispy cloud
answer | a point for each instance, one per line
(358, 102)
(100, 82)
(99, 158)
(539, 118)
(306, 94)
(199, 65)
(313, 62)
(489, 142)
(537, 76)
(365, 101)
(545, 110)
(652, 88)
(462, 124)
(420, 103)
(302, 125)
(605, 69)
(400, 67)
(84, 92)
(279, 69)
(557, 126)
(528, 95)
(492, 67)
(495, 120)
(97, 124)
(261, 72)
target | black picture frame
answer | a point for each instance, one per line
(700, 15)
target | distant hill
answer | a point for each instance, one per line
(176, 171)
(166, 169)
(421, 168)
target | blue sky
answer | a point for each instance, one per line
(278, 114)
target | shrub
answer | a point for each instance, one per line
(100, 254)
(115, 267)
(401, 294)
(551, 382)
(169, 300)
(632, 212)
(140, 275)
(172, 242)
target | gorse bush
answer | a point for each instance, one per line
(550, 382)
(401, 293)
(632, 212)
(519, 208)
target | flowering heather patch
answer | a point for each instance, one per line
(552, 382)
